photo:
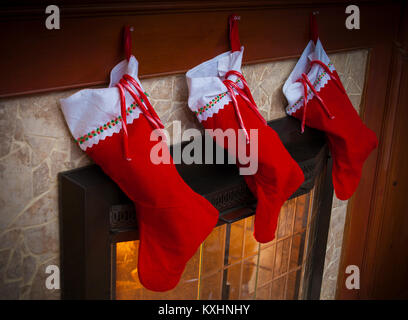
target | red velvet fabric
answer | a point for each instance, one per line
(349, 139)
(173, 220)
(278, 175)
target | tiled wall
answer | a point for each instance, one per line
(35, 145)
(352, 70)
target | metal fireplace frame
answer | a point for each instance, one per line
(95, 214)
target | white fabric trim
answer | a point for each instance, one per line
(293, 90)
(89, 109)
(205, 82)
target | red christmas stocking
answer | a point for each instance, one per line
(221, 99)
(114, 127)
(317, 97)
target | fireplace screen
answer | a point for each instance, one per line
(99, 233)
(230, 264)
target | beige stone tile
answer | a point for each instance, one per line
(15, 173)
(278, 105)
(16, 145)
(59, 162)
(162, 89)
(15, 266)
(181, 112)
(84, 161)
(264, 113)
(248, 74)
(258, 71)
(339, 61)
(42, 239)
(180, 89)
(29, 269)
(19, 130)
(357, 66)
(41, 211)
(344, 79)
(41, 179)
(337, 202)
(337, 220)
(41, 115)
(64, 143)
(76, 152)
(38, 289)
(4, 260)
(271, 84)
(10, 290)
(276, 74)
(8, 113)
(352, 87)
(260, 97)
(163, 108)
(333, 251)
(329, 252)
(328, 291)
(148, 84)
(25, 292)
(40, 147)
(9, 239)
(355, 101)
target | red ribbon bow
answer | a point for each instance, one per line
(143, 103)
(245, 94)
(306, 82)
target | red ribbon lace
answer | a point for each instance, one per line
(306, 82)
(143, 104)
(246, 95)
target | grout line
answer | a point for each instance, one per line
(199, 271)
(290, 248)
(242, 256)
(257, 270)
(224, 239)
(28, 205)
(224, 280)
(274, 260)
(283, 275)
(306, 246)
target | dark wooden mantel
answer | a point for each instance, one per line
(169, 36)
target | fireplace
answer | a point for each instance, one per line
(99, 237)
